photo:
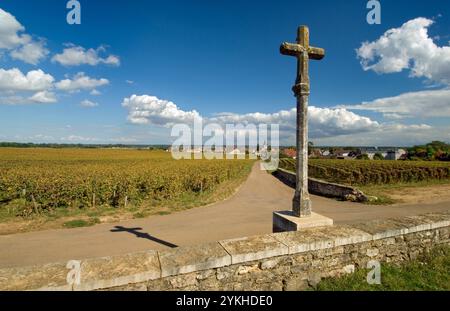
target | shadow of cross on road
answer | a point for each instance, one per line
(142, 235)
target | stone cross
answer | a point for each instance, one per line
(301, 205)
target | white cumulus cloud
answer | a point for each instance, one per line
(408, 47)
(146, 109)
(20, 45)
(31, 52)
(77, 55)
(15, 80)
(80, 82)
(323, 122)
(44, 97)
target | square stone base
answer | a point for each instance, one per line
(286, 221)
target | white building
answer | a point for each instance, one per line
(395, 154)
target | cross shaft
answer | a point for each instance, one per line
(301, 204)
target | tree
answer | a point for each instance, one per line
(436, 150)
(378, 156)
(363, 156)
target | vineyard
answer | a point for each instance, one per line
(46, 179)
(357, 172)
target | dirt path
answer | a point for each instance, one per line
(248, 212)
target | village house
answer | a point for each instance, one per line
(290, 152)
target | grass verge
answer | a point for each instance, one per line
(430, 272)
(77, 223)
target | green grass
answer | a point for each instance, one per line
(162, 213)
(139, 215)
(430, 272)
(78, 223)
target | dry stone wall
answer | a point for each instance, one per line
(280, 261)
(323, 188)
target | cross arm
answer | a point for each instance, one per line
(291, 49)
(316, 53)
(294, 49)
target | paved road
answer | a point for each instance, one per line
(248, 212)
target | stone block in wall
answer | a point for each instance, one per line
(269, 264)
(183, 280)
(193, 258)
(39, 277)
(382, 229)
(304, 241)
(296, 283)
(116, 271)
(209, 284)
(321, 238)
(253, 248)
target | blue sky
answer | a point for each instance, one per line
(214, 57)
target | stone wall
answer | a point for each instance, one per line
(323, 188)
(280, 261)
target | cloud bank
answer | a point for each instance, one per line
(422, 104)
(323, 122)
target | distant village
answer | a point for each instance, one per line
(434, 151)
(362, 153)
(370, 153)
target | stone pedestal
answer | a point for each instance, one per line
(286, 221)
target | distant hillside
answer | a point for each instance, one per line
(89, 146)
